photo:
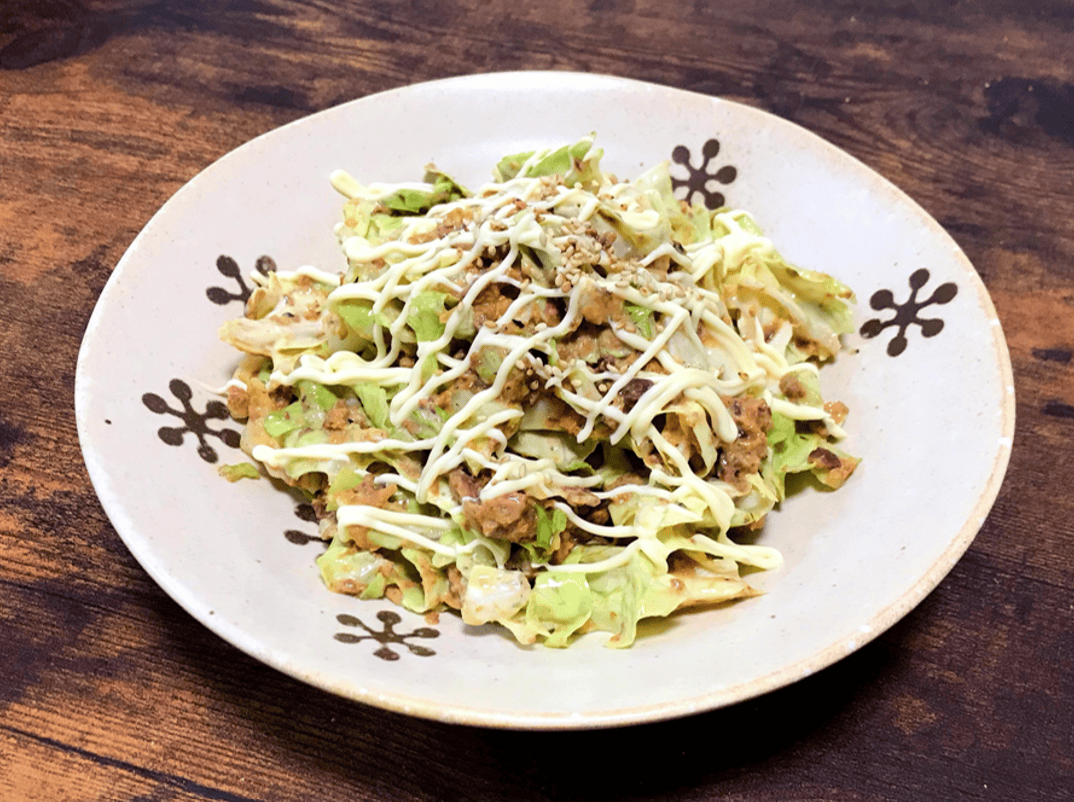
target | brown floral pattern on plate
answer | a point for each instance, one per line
(699, 178)
(194, 422)
(229, 268)
(387, 636)
(906, 314)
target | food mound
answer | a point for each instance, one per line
(547, 404)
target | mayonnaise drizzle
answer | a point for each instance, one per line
(681, 307)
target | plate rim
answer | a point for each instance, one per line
(457, 713)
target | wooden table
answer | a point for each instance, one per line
(108, 690)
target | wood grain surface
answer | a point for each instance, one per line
(108, 690)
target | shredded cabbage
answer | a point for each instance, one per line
(549, 403)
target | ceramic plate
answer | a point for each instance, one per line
(928, 382)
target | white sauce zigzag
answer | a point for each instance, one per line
(731, 362)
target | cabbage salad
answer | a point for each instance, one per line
(552, 403)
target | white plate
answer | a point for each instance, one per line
(932, 421)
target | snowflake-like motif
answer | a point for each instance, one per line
(196, 423)
(699, 178)
(906, 314)
(306, 513)
(386, 636)
(229, 268)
